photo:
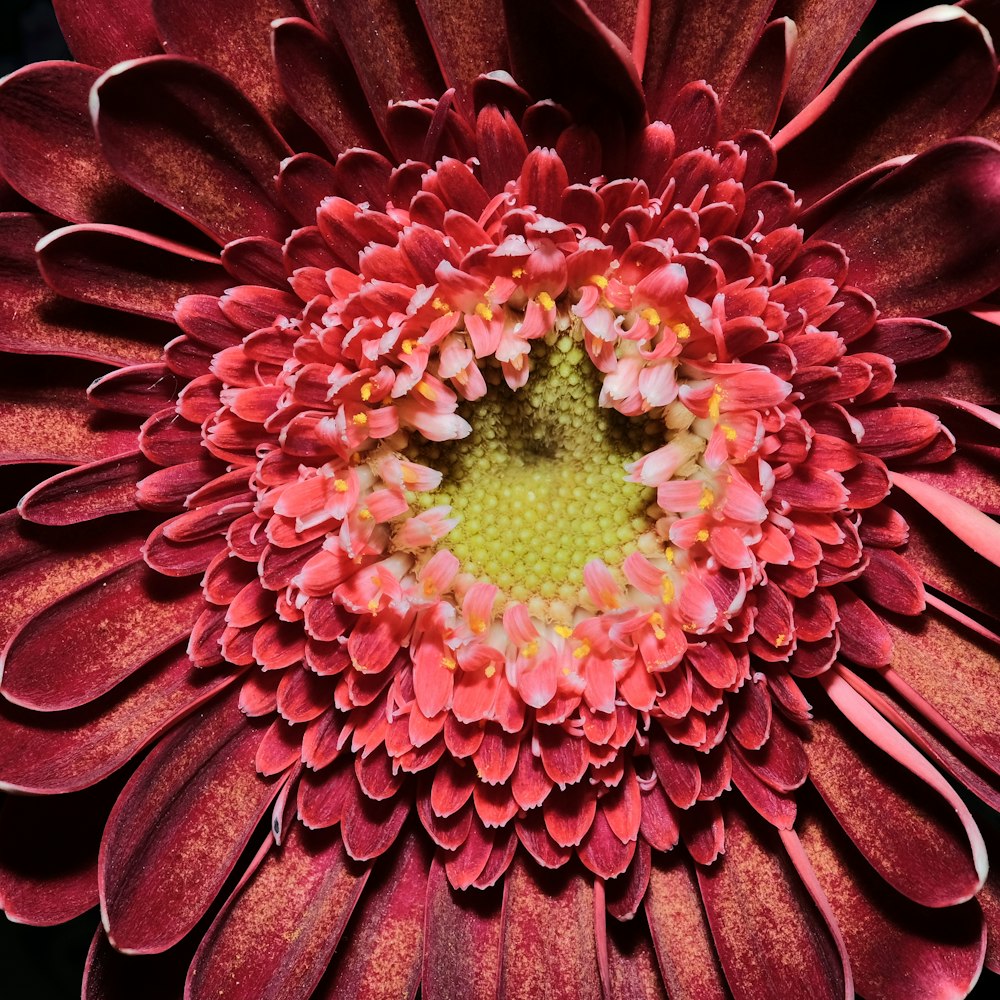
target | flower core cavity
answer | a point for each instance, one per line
(538, 488)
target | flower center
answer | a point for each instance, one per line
(539, 487)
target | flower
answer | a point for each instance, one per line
(550, 536)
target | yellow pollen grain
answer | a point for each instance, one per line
(656, 623)
(484, 311)
(477, 625)
(651, 316)
(563, 631)
(780, 639)
(490, 672)
(546, 301)
(667, 590)
(668, 554)
(365, 514)
(707, 499)
(530, 649)
(518, 272)
(408, 346)
(373, 604)
(340, 485)
(730, 432)
(682, 330)
(426, 391)
(366, 391)
(360, 419)
(702, 535)
(715, 404)
(582, 650)
(448, 663)
(441, 305)
(600, 281)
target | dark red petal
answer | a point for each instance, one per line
(928, 77)
(47, 418)
(684, 948)
(110, 975)
(321, 86)
(65, 751)
(633, 971)
(613, 90)
(86, 492)
(126, 270)
(215, 167)
(467, 41)
(892, 582)
(370, 827)
(379, 957)
(909, 835)
(708, 41)
(35, 321)
(179, 828)
(280, 927)
(388, 48)
(548, 928)
(771, 939)
(102, 32)
(48, 854)
(235, 40)
(119, 623)
(893, 943)
(935, 260)
(757, 92)
(601, 850)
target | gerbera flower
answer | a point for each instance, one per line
(523, 535)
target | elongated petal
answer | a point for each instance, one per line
(215, 168)
(754, 887)
(110, 975)
(167, 851)
(928, 77)
(128, 614)
(934, 260)
(281, 951)
(103, 32)
(633, 971)
(380, 954)
(462, 945)
(548, 926)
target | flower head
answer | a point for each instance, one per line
(530, 518)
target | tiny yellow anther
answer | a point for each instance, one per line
(490, 672)
(563, 631)
(651, 316)
(408, 346)
(484, 311)
(668, 553)
(365, 514)
(667, 592)
(702, 535)
(426, 391)
(477, 625)
(780, 639)
(340, 485)
(730, 432)
(599, 280)
(518, 272)
(582, 650)
(682, 330)
(448, 663)
(530, 649)
(707, 499)
(441, 305)
(373, 604)
(656, 623)
(546, 301)
(715, 403)
(366, 391)
(360, 419)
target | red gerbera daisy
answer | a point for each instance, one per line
(547, 552)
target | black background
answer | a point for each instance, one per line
(47, 963)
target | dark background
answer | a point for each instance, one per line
(47, 963)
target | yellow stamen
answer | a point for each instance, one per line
(530, 649)
(340, 485)
(730, 432)
(441, 305)
(715, 403)
(682, 330)
(490, 672)
(477, 625)
(582, 650)
(408, 346)
(360, 419)
(707, 499)
(702, 535)
(563, 631)
(366, 391)
(365, 515)
(600, 281)
(667, 590)
(373, 604)
(484, 311)
(656, 622)
(426, 391)
(448, 663)
(780, 639)
(518, 272)
(651, 316)
(546, 301)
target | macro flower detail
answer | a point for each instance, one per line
(518, 529)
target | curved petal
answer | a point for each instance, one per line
(126, 269)
(102, 32)
(758, 90)
(110, 975)
(129, 611)
(47, 753)
(86, 492)
(893, 943)
(920, 83)
(281, 950)
(908, 238)
(632, 968)
(214, 166)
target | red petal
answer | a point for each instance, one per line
(102, 32)
(280, 950)
(757, 92)
(462, 944)
(766, 928)
(166, 851)
(548, 928)
(215, 168)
